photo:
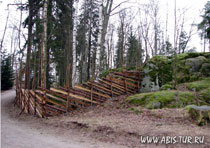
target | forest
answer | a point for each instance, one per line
(105, 73)
(71, 42)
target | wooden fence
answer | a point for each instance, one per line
(45, 103)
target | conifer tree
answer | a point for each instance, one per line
(7, 75)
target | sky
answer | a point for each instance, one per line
(192, 14)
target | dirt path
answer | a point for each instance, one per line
(114, 125)
(29, 132)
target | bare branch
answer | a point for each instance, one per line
(119, 5)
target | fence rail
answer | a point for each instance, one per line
(44, 103)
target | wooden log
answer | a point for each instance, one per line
(38, 104)
(56, 108)
(103, 88)
(120, 88)
(65, 98)
(39, 112)
(37, 96)
(55, 103)
(56, 98)
(133, 73)
(126, 76)
(51, 112)
(94, 92)
(128, 79)
(74, 96)
(84, 94)
(130, 85)
(123, 85)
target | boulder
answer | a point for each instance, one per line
(201, 114)
(195, 63)
(205, 69)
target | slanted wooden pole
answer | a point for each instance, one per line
(125, 86)
(91, 94)
(28, 102)
(67, 103)
(34, 104)
(44, 105)
(111, 86)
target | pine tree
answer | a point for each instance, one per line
(7, 75)
(132, 50)
(204, 25)
(87, 38)
(119, 52)
(183, 39)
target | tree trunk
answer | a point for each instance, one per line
(44, 47)
(28, 59)
(49, 28)
(89, 53)
(106, 10)
(69, 48)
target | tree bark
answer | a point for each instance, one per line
(28, 59)
(69, 47)
(44, 47)
(106, 10)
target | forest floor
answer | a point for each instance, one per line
(115, 124)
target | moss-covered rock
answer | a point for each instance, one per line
(205, 69)
(200, 114)
(190, 67)
(166, 87)
(204, 95)
(162, 99)
(199, 85)
(195, 63)
(160, 67)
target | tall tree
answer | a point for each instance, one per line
(7, 75)
(182, 42)
(69, 41)
(44, 47)
(106, 11)
(204, 25)
(28, 57)
(87, 39)
(132, 50)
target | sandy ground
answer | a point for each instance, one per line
(29, 132)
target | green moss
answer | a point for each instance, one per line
(138, 99)
(200, 114)
(194, 77)
(199, 85)
(166, 87)
(106, 72)
(137, 111)
(162, 99)
(160, 66)
(207, 55)
(204, 95)
(185, 98)
(182, 56)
